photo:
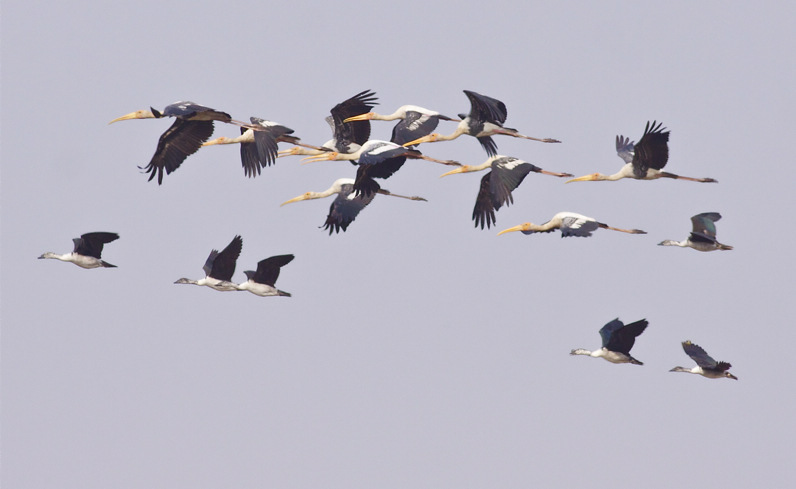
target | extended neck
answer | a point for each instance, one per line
(670, 242)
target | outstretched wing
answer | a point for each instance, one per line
(652, 150)
(487, 109)
(624, 148)
(268, 269)
(181, 140)
(90, 244)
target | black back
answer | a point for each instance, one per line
(90, 244)
(221, 265)
(652, 150)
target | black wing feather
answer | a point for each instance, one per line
(652, 150)
(181, 140)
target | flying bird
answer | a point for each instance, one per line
(570, 224)
(506, 173)
(347, 137)
(618, 339)
(376, 159)
(347, 205)
(192, 127)
(258, 144)
(703, 234)
(262, 282)
(415, 122)
(219, 267)
(87, 251)
(643, 161)
(706, 366)
(485, 119)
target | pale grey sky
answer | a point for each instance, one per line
(416, 351)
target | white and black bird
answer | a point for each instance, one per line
(347, 137)
(87, 252)
(219, 267)
(706, 366)
(703, 234)
(259, 144)
(376, 159)
(506, 173)
(618, 339)
(485, 120)
(644, 160)
(415, 122)
(348, 203)
(263, 281)
(570, 224)
(192, 127)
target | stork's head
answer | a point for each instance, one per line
(588, 178)
(138, 114)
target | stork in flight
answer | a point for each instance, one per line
(87, 252)
(643, 161)
(376, 159)
(703, 234)
(415, 122)
(706, 366)
(192, 127)
(348, 203)
(219, 267)
(347, 137)
(258, 144)
(570, 224)
(485, 119)
(506, 173)
(618, 339)
(263, 281)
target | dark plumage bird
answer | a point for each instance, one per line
(219, 267)
(415, 122)
(643, 161)
(570, 224)
(192, 127)
(348, 203)
(376, 159)
(87, 251)
(618, 339)
(263, 281)
(347, 137)
(506, 174)
(258, 144)
(485, 119)
(703, 234)
(706, 366)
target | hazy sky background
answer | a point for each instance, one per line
(416, 351)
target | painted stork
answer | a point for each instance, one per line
(192, 127)
(703, 234)
(570, 224)
(87, 251)
(706, 366)
(348, 203)
(506, 173)
(415, 122)
(643, 161)
(219, 267)
(258, 144)
(376, 159)
(618, 339)
(347, 137)
(262, 282)
(485, 119)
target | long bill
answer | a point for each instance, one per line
(295, 199)
(521, 227)
(585, 178)
(361, 117)
(138, 114)
(425, 139)
(327, 156)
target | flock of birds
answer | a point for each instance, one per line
(376, 159)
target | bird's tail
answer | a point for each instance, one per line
(106, 264)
